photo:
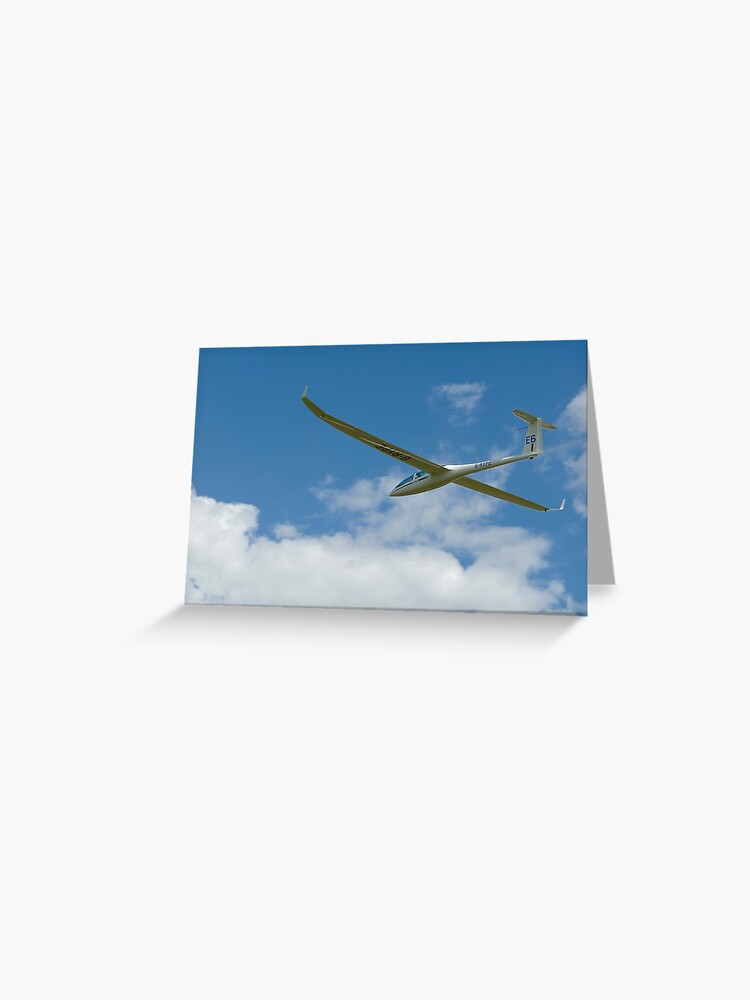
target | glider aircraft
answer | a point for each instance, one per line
(430, 475)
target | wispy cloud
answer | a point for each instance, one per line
(573, 417)
(362, 495)
(462, 398)
(572, 423)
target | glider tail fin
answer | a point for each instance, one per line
(533, 444)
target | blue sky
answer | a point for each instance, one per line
(288, 510)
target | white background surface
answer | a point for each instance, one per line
(273, 803)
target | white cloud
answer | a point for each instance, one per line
(573, 417)
(361, 496)
(461, 397)
(285, 531)
(576, 470)
(433, 551)
(572, 423)
(220, 534)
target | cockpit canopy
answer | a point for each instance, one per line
(412, 479)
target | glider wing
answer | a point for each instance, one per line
(492, 491)
(408, 457)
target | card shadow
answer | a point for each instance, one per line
(211, 622)
(600, 565)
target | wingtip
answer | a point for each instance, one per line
(304, 394)
(561, 507)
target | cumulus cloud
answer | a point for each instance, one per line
(462, 398)
(432, 551)
(219, 535)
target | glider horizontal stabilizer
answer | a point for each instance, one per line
(531, 419)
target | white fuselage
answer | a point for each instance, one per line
(421, 482)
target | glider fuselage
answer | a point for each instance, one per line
(421, 482)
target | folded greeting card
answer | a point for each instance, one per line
(413, 476)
